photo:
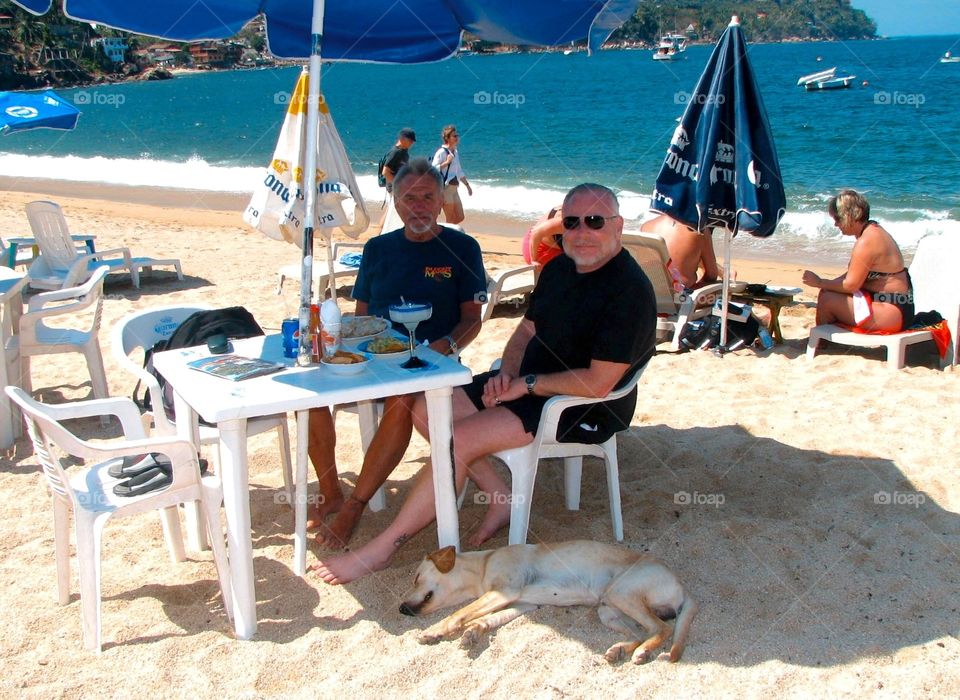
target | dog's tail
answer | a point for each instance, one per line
(688, 610)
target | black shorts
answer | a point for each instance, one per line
(591, 424)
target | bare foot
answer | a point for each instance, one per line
(318, 512)
(351, 565)
(337, 534)
(498, 515)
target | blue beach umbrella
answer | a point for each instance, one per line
(20, 111)
(384, 31)
(721, 168)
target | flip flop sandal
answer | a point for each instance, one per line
(138, 464)
(151, 480)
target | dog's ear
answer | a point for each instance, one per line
(443, 559)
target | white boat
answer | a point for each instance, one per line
(819, 75)
(670, 47)
(947, 58)
(834, 83)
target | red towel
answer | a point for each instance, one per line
(940, 332)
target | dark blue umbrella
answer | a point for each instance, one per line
(20, 111)
(721, 168)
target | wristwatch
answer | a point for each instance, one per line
(531, 381)
(454, 348)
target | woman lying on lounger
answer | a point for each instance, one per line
(875, 293)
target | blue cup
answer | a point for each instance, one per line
(290, 330)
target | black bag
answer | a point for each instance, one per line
(381, 180)
(704, 333)
(233, 322)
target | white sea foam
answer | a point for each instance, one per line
(805, 229)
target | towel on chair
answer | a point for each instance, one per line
(351, 259)
(924, 321)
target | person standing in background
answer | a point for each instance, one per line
(447, 161)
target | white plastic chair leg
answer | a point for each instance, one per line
(61, 545)
(613, 486)
(170, 520)
(89, 529)
(523, 471)
(98, 375)
(572, 472)
(370, 413)
(212, 497)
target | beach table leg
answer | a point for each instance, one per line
(300, 495)
(440, 419)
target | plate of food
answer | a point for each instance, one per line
(737, 287)
(345, 363)
(362, 327)
(386, 347)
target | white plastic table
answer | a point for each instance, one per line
(11, 306)
(229, 404)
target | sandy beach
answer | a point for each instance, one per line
(811, 509)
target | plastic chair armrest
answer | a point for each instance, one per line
(120, 406)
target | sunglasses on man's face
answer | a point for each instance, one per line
(592, 221)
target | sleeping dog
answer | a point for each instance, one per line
(634, 593)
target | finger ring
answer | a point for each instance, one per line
(497, 401)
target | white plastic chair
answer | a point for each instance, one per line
(673, 310)
(61, 265)
(322, 269)
(934, 289)
(523, 461)
(72, 305)
(140, 331)
(89, 492)
(513, 282)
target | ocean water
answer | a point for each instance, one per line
(533, 125)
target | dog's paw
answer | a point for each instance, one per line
(429, 637)
(615, 653)
(642, 656)
(471, 635)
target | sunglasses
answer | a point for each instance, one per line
(591, 221)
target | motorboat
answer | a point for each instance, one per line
(670, 47)
(838, 82)
(826, 80)
(947, 58)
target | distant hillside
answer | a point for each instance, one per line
(762, 20)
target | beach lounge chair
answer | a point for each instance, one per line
(523, 461)
(514, 282)
(934, 289)
(322, 269)
(80, 307)
(673, 309)
(60, 265)
(89, 494)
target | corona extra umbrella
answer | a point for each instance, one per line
(721, 167)
(20, 111)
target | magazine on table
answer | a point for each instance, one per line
(234, 367)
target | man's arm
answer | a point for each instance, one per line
(465, 331)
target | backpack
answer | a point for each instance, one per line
(704, 333)
(381, 180)
(233, 322)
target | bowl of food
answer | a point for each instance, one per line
(362, 327)
(345, 363)
(738, 287)
(386, 347)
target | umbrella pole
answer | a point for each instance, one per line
(727, 240)
(310, 179)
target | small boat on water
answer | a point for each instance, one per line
(826, 80)
(670, 47)
(947, 58)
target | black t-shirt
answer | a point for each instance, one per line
(609, 314)
(396, 158)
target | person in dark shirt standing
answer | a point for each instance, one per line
(398, 156)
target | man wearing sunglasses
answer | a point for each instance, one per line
(590, 324)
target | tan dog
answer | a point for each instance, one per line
(631, 591)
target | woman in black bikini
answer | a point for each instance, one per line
(875, 293)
